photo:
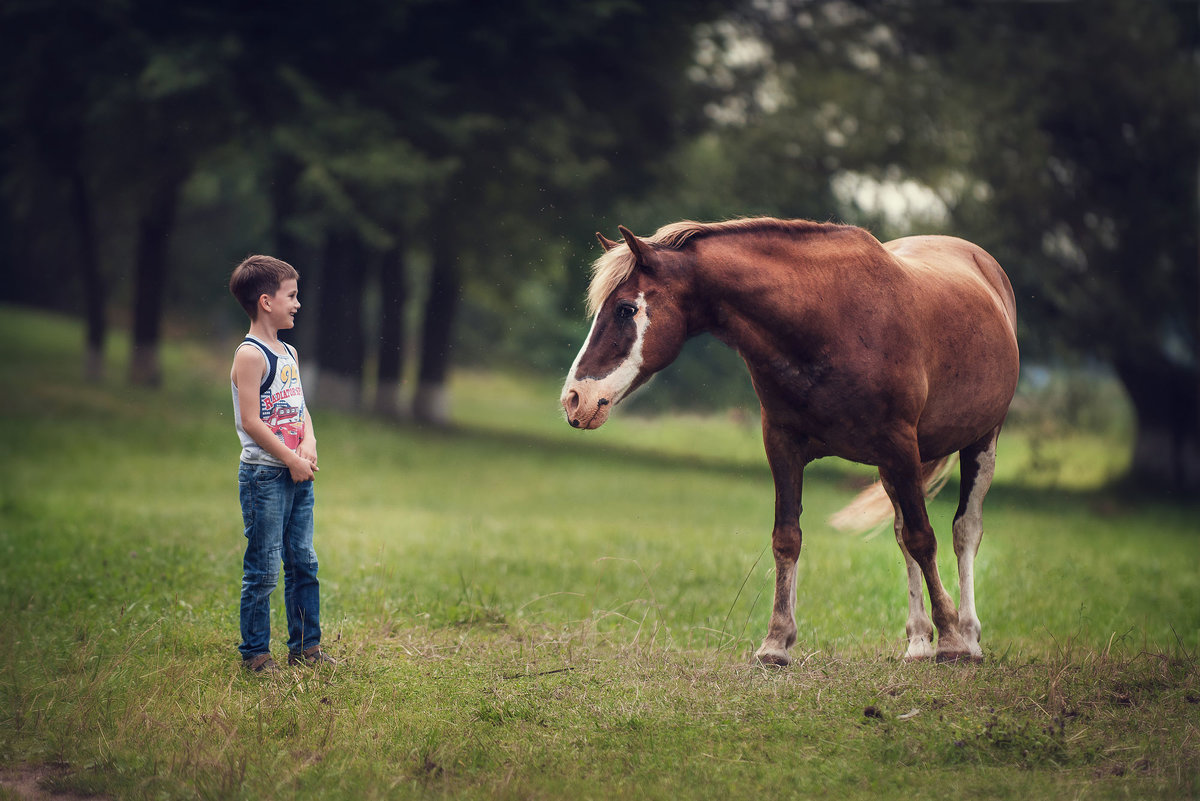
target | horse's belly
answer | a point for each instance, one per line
(857, 403)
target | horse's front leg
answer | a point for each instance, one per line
(787, 459)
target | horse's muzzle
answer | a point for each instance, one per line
(581, 413)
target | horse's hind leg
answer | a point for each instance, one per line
(903, 480)
(978, 465)
(919, 627)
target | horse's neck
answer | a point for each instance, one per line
(785, 274)
(759, 289)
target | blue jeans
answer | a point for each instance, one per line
(278, 514)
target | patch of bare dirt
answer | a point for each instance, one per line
(29, 783)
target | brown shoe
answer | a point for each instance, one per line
(313, 657)
(260, 663)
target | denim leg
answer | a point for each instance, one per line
(264, 498)
(301, 590)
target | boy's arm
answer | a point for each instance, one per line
(247, 375)
(307, 448)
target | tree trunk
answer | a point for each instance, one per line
(94, 294)
(150, 278)
(1166, 453)
(285, 175)
(431, 403)
(340, 343)
(393, 289)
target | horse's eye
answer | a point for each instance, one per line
(625, 310)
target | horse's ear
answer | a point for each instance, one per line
(605, 242)
(639, 249)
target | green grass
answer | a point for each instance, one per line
(527, 611)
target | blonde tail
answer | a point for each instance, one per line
(872, 507)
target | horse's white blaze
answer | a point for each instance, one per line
(579, 357)
(615, 385)
(622, 378)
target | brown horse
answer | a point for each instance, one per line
(897, 355)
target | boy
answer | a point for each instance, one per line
(278, 464)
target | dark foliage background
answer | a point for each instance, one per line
(436, 170)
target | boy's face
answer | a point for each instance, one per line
(281, 307)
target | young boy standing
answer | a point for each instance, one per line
(278, 465)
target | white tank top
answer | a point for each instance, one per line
(280, 403)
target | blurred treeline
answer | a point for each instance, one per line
(436, 169)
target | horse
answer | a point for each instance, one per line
(901, 355)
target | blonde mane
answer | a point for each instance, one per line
(615, 266)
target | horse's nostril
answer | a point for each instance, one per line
(572, 402)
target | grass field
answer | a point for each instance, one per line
(526, 611)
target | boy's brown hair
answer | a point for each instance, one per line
(258, 276)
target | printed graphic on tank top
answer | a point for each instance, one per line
(281, 404)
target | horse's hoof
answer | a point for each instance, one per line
(919, 650)
(959, 658)
(773, 659)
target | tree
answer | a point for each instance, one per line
(542, 106)
(393, 298)
(1077, 169)
(1090, 164)
(50, 158)
(122, 102)
(495, 113)
(367, 118)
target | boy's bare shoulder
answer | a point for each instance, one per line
(248, 361)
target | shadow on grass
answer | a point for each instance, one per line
(1108, 501)
(554, 448)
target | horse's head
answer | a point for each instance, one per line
(638, 328)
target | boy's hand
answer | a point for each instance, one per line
(307, 450)
(301, 469)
